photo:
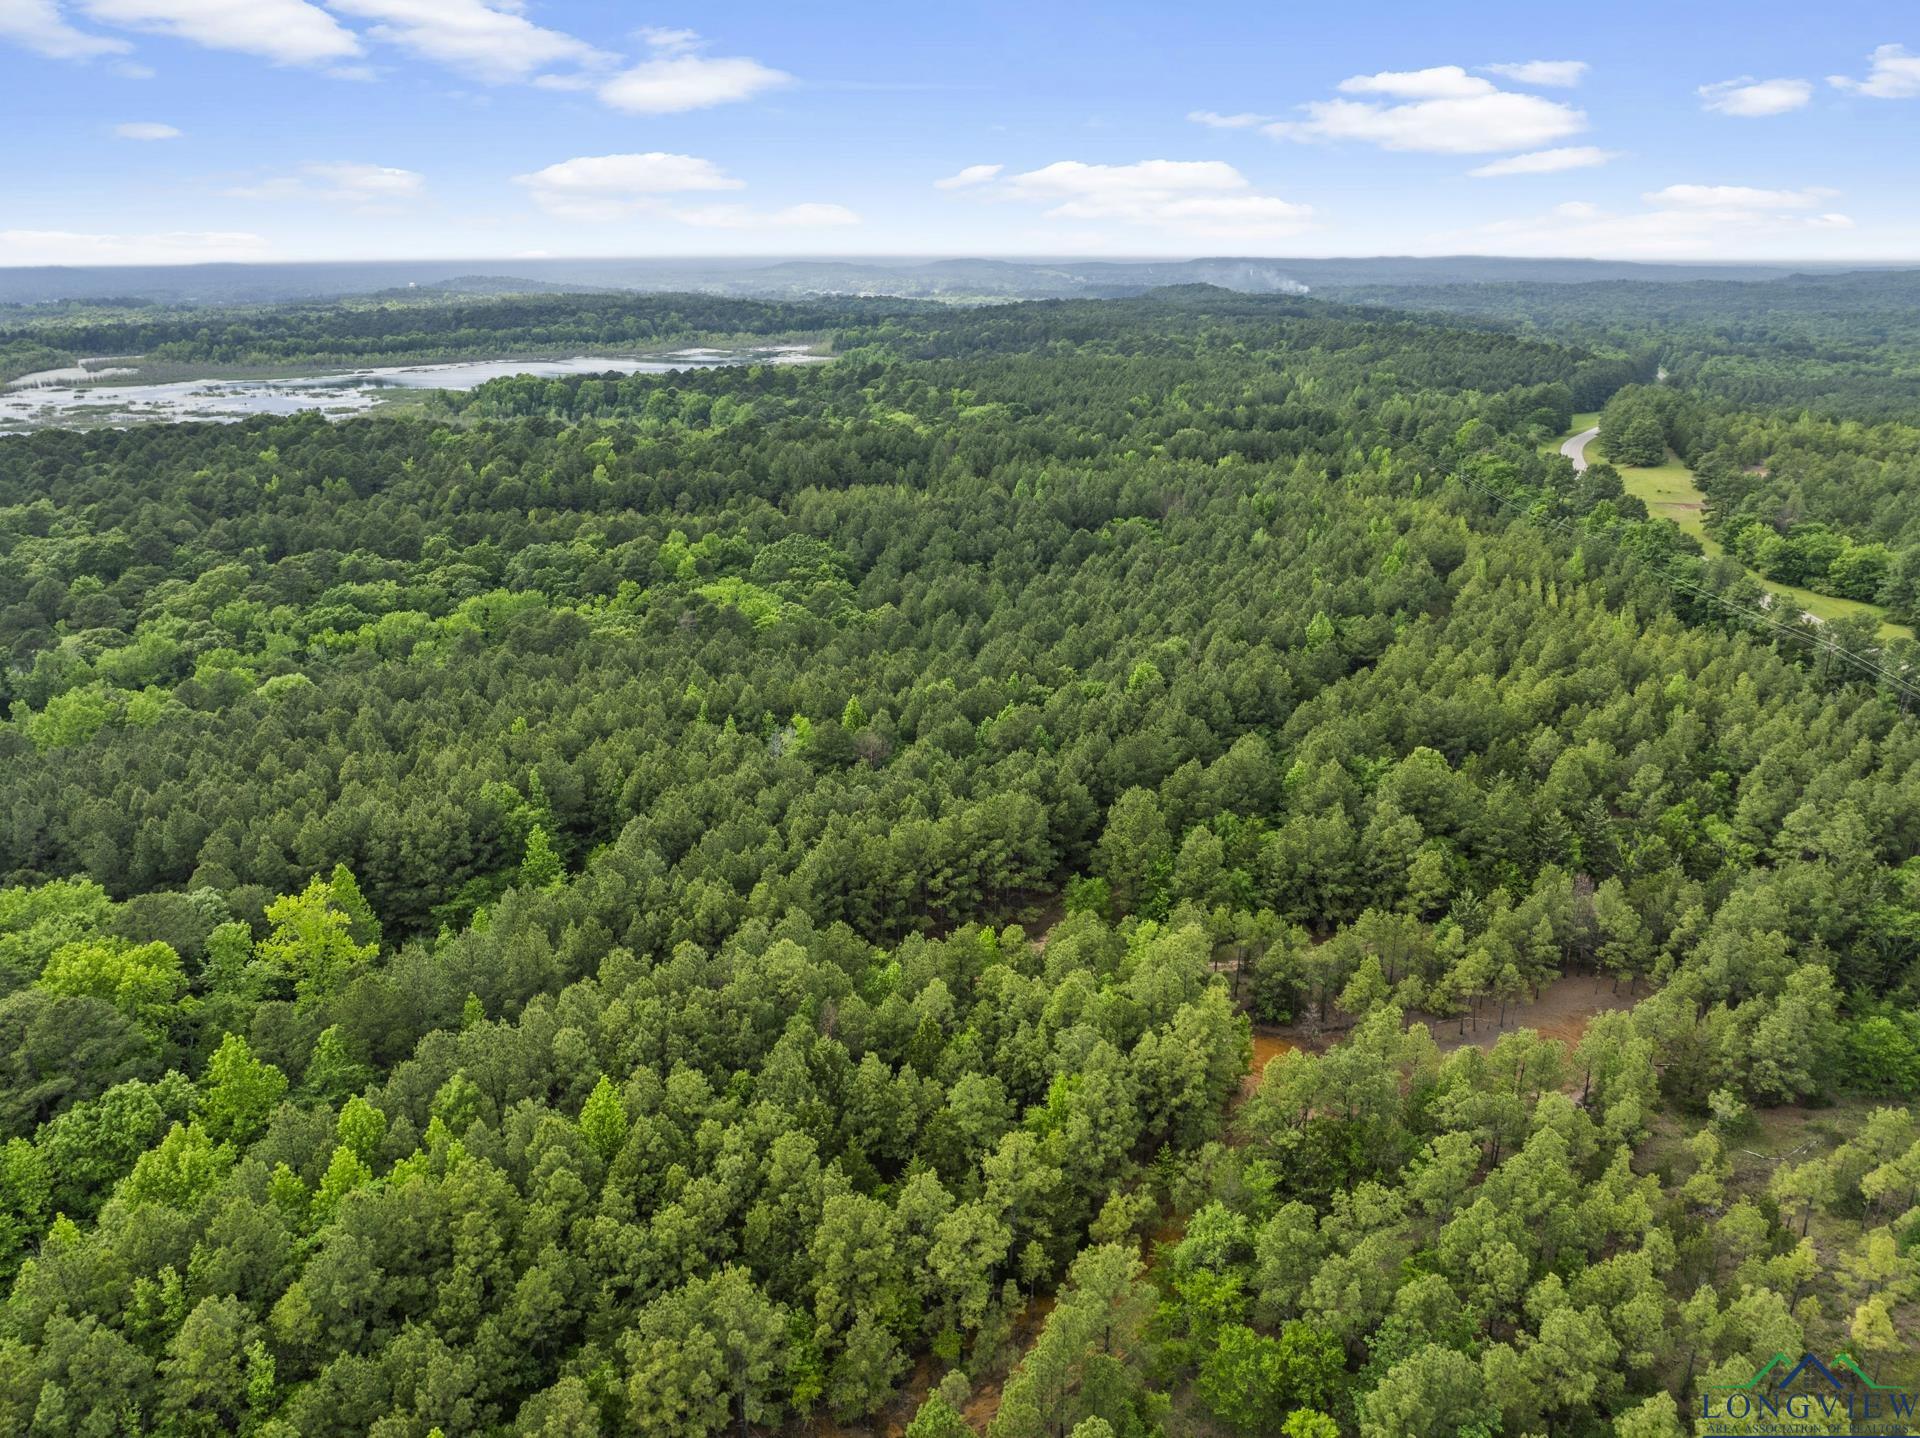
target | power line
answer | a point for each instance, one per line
(1904, 687)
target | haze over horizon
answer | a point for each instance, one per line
(191, 131)
(961, 721)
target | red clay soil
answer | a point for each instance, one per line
(1267, 1046)
(985, 1403)
(1562, 1011)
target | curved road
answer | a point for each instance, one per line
(1575, 448)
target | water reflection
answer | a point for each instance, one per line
(46, 400)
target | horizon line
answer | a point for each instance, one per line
(950, 256)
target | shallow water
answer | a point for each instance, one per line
(47, 402)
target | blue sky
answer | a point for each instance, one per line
(181, 130)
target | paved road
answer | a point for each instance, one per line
(1575, 449)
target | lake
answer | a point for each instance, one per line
(52, 399)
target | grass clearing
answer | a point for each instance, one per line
(1669, 492)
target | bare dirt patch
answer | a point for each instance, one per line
(1562, 1010)
(1268, 1045)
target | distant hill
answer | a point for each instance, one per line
(957, 280)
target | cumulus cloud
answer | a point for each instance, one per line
(677, 77)
(1214, 120)
(338, 182)
(1679, 222)
(1437, 82)
(1561, 74)
(1744, 197)
(40, 27)
(612, 187)
(661, 37)
(1441, 110)
(972, 175)
(1205, 199)
(1894, 74)
(602, 187)
(65, 247)
(491, 41)
(145, 130)
(1547, 162)
(369, 182)
(287, 32)
(1750, 99)
(1098, 186)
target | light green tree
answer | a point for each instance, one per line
(541, 867)
(142, 981)
(1432, 1391)
(603, 1120)
(240, 1090)
(312, 942)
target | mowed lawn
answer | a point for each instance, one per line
(1668, 491)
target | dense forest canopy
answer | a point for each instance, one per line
(1800, 497)
(399, 327)
(1846, 345)
(739, 899)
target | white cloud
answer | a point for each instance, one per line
(1736, 197)
(1680, 222)
(369, 182)
(489, 39)
(1563, 74)
(1216, 121)
(145, 130)
(612, 187)
(1547, 162)
(1205, 199)
(39, 25)
(972, 175)
(1895, 75)
(1442, 110)
(659, 37)
(1095, 184)
(338, 182)
(62, 247)
(288, 32)
(677, 78)
(1438, 82)
(603, 187)
(1750, 99)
